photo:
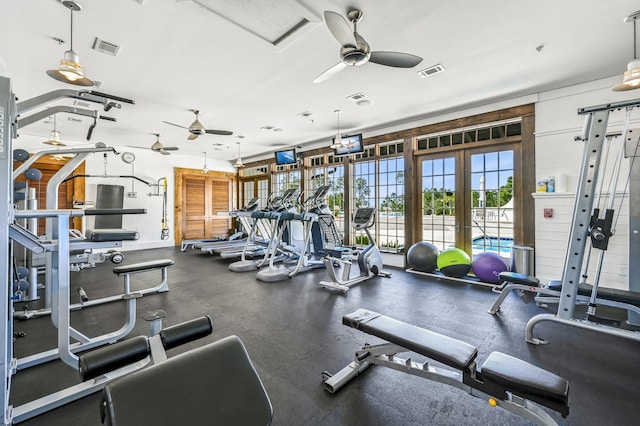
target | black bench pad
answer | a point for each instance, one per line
(110, 234)
(213, 384)
(514, 277)
(142, 266)
(524, 379)
(616, 295)
(447, 350)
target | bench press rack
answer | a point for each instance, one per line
(503, 380)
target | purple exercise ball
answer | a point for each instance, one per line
(487, 267)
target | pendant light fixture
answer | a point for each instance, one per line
(54, 137)
(238, 164)
(631, 77)
(205, 169)
(70, 70)
(338, 142)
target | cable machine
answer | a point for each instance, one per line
(588, 227)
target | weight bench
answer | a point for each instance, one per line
(550, 294)
(503, 380)
(213, 384)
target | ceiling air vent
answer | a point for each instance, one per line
(428, 72)
(106, 47)
(357, 97)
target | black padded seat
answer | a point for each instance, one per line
(142, 266)
(527, 381)
(213, 384)
(514, 277)
(447, 350)
(616, 295)
(111, 234)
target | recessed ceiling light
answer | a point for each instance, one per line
(363, 103)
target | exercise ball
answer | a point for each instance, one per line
(423, 257)
(487, 267)
(454, 262)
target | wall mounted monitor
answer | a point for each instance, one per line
(287, 156)
(352, 145)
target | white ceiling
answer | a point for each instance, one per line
(179, 55)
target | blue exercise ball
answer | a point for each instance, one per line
(423, 256)
(454, 262)
(487, 267)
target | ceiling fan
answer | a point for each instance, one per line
(196, 128)
(355, 50)
(158, 147)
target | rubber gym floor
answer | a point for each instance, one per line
(293, 331)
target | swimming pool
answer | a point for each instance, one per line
(501, 246)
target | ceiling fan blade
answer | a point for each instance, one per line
(164, 152)
(340, 28)
(330, 72)
(192, 136)
(395, 59)
(173, 124)
(170, 148)
(218, 132)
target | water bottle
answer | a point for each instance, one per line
(551, 184)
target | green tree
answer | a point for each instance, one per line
(362, 192)
(393, 202)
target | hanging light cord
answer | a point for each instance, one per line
(71, 10)
(635, 55)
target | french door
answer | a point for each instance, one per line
(467, 199)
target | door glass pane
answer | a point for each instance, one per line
(438, 202)
(248, 192)
(492, 202)
(263, 192)
(390, 218)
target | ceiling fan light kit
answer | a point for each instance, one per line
(631, 77)
(70, 71)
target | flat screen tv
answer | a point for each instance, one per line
(287, 156)
(352, 145)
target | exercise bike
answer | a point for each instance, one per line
(369, 258)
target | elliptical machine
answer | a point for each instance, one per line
(369, 258)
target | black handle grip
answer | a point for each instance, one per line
(115, 98)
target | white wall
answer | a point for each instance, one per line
(557, 123)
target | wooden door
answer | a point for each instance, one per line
(203, 197)
(67, 192)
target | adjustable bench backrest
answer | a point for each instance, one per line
(447, 350)
(212, 384)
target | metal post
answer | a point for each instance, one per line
(578, 236)
(7, 109)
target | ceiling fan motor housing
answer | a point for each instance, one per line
(197, 128)
(356, 55)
